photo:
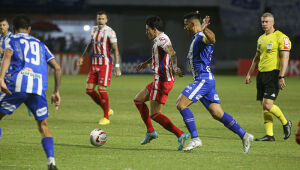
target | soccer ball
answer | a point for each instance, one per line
(98, 137)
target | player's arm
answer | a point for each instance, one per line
(170, 50)
(284, 55)
(253, 66)
(210, 37)
(4, 67)
(143, 65)
(55, 98)
(117, 58)
(86, 50)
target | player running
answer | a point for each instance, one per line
(24, 79)
(103, 39)
(203, 87)
(164, 63)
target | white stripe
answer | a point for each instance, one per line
(29, 84)
(2, 96)
(155, 89)
(40, 86)
(19, 82)
(197, 89)
(168, 67)
(106, 75)
(104, 48)
(190, 56)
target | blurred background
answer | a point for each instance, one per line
(64, 26)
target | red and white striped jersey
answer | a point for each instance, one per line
(101, 40)
(161, 60)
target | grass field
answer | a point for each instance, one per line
(20, 145)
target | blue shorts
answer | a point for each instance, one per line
(204, 91)
(36, 104)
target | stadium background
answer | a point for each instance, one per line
(236, 23)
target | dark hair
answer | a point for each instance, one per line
(21, 22)
(3, 19)
(155, 22)
(101, 13)
(192, 15)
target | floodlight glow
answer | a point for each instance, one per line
(86, 28)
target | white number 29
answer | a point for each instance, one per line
(34, 50)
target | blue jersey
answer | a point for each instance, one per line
(28, 70)
(2, 40)
(199, 57)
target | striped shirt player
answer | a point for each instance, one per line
(27, 76)
(204, 88)
(103, 41)
(162, 68)
(2, 40)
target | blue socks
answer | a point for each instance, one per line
(231, 124)
(189, 121)
(48, 146)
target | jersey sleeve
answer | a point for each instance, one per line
(284, 43)
(164, 42)
(7, 44)
(258, 46)
(49, 56)
(112, 36)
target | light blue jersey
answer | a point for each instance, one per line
(203, 87)
(28, 68)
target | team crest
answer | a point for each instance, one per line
(269, 46)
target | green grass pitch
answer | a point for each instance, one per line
(78, 115)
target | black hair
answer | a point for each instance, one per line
(155, 22)
(21, 22)
(192, 15)
(101, 13)
(3, 19)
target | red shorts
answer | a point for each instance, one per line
(100, 75)
(159, 90)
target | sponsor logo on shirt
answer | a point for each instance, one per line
(269, 46)
(286, 43)
(28, 72)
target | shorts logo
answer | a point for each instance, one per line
(286, 43)
(216, 97)
(273, 95)
(269, 46)
(8, 106)
(41, 111)
(198, 97)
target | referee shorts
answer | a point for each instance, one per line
(267, 85)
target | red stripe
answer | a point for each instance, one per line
(153, 60)
(165, 65)
(96, 45)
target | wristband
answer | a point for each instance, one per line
(117, 65)
(280, 77)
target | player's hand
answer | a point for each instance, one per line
(55, 98)
(248, 80)
(3, 87)
(205, 22)
(141, 66)
(1, 51)
(281, 83)
(118, 72)
(80, 61)
(178, 71)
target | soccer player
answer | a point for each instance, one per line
(164, 63)
(103, 39)
(4, 34)
(271, 58)
(24, 79)
(203, 86)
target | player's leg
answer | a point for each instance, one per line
(139, 102)
(39, 107)
(188, 117)
(217, 112)
(91, 84)
(104, 77)
(158, 97)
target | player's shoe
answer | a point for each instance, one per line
(110, 112)
(247, 139)
(181, 141)
(194, 143)
(52, 167)
(266, 138)
(149, 137)
(287, 130)
(104, 121)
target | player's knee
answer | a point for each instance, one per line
(180, 106)
(267, 106)
(89, 91)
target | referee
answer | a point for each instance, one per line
(271, 58)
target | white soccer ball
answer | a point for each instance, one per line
(98, 137)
